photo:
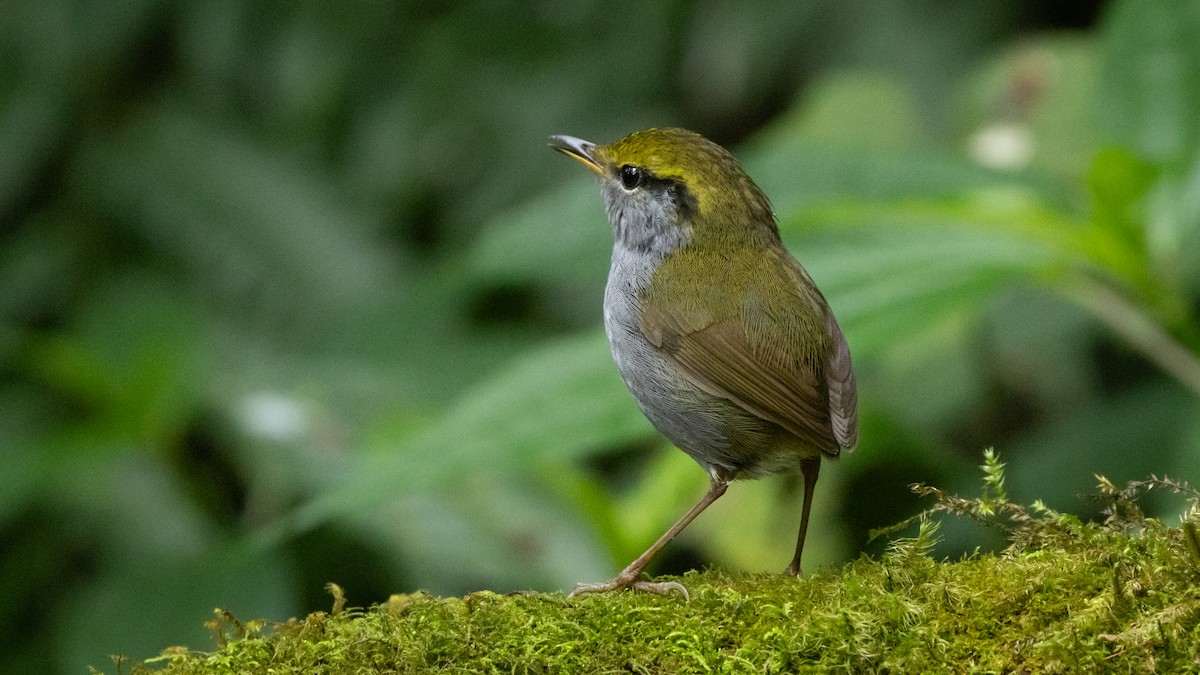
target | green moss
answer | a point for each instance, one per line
(1123, 596)
(1129, 603)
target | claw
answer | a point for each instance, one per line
(662, 588)
(619, 584)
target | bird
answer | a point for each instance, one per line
(721, 336)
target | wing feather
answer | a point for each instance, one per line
(803, 383)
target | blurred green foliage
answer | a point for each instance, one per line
(294, 292)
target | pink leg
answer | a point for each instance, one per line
(628, 577)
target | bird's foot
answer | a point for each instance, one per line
(620, 583)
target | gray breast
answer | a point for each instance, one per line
(695, 421)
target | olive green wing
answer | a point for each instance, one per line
(781, 357)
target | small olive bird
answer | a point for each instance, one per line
(721, 336)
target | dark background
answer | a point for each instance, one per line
(294, 292)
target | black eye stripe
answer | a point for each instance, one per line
(632, 177)
(635, 177)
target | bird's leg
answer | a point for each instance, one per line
(810, 467)
(628, 576)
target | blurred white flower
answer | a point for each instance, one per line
(273, 416)
(1002, 146)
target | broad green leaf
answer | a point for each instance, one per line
(1150, 82)
(502, 531)
(855, 111)
(563, 400)
(561, 238)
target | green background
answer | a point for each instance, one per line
(294, 292)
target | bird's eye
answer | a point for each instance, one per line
(632, 177)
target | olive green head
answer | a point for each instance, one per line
(675, 183)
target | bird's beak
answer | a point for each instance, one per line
(584, 151)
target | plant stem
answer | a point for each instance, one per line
(1139, 330)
